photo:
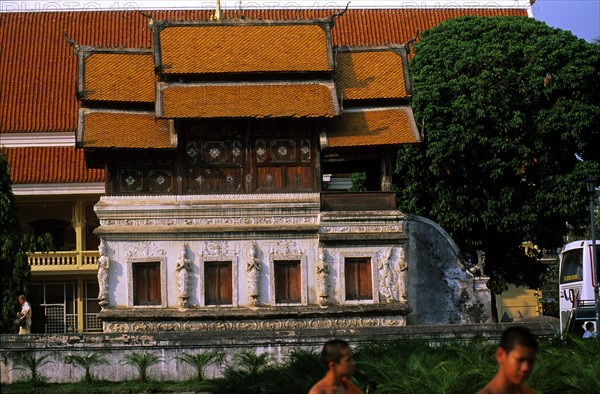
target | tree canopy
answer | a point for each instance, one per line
(15, 272)
(510, 112)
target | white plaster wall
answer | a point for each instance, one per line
(168, 251)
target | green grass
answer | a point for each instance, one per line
(569, 365)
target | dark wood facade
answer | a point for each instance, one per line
(253, 156)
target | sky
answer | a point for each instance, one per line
(581, 17)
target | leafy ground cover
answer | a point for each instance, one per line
(569, 365)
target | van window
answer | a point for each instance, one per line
(572, 266)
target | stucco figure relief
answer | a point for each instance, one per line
(388, 277)
(323, 278)
(403, 269)
(184, 270)
(253, 270)
(103, 267)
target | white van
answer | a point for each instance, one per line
(576, 286)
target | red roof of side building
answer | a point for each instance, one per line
(38, 66)
(60, 164)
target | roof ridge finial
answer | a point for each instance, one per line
(150, 18)
(71, 42)
(217, 15)
(338, 14)
(412, 41)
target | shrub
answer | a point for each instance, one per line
(141, 361)
(32, 364)
(87, 361)
(200, 361)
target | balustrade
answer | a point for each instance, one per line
(63, 261)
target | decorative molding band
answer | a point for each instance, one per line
(34, 189)
(256, 325)
(396, 228)
(218, 221)
(27, 140)
(214, 198)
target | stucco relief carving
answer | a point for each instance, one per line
(183, 268)
(286, 248)
(253, 272)
(103, 268)
(360, 229)
(214, 248)
(403, 269)
(211, 221)
(388, 277)
(143, 249)
(260, 325)
(322, 269)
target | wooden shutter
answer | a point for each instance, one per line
(287, 281)
(217, 283)
(146, 283)
(358, 279)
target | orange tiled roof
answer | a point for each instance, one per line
(61, 164)
(364, 74)
(123, 129)
(242, 48)
(370, 127)
(107, 75)
(246, 100)
(38, 67)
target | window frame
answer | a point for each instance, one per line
(163, 280)
(341, 263)
(226, 258)
(298, 265)
(208, 263)
(276, 256)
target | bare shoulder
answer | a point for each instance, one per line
(317, 388)
(485, 390)
(528, 390)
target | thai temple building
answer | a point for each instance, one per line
(193, 166)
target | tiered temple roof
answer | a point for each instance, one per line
(38, 71)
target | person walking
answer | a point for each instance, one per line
(24, 316)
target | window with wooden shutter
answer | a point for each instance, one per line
(217, 283)
(287, 282)
(358, 279)
(146, 283)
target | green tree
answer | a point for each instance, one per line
(511, 115)
(15, 273)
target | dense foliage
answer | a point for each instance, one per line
(14, 269)
(15, 273)
(567, 365)
(510, 109)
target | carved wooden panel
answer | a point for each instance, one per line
(222, 157)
